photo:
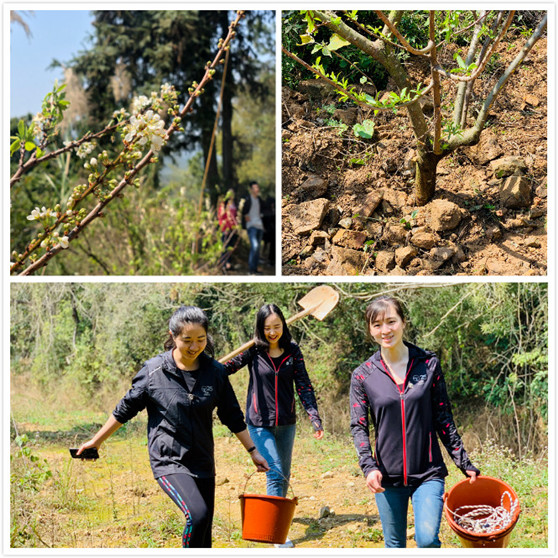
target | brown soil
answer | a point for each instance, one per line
(489, 239)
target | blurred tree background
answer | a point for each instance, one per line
(155, 229)
(90, 339)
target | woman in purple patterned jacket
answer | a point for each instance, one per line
(276, 367)
(402, 388)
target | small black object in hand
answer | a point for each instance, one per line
(87, 453)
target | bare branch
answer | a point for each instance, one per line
(422, 52)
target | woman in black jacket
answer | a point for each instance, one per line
(276, 367)
(180, 389)
(402, 388)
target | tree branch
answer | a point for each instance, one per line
(471, 136)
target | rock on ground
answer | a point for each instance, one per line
(307, 216)
(444, 215)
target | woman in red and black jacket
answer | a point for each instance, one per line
(402, 388)
(277, 369)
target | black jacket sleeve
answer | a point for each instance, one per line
(239, 361)
(444, 423)
(135, 400)
(360, 426)
(304, 389)
(228, 409)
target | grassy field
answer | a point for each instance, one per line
(57, 502)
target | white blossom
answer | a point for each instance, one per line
(38, 214)
(64, 242)
(85, 149)
(120, 112)
(93, 162)
(140, 103)
(35, 215)
(144, 128)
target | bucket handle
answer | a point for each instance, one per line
(288, 482)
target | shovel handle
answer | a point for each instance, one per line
(232, 354)
(301, 314)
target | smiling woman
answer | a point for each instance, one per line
(276, 368)
(403, 389)
(180, 390)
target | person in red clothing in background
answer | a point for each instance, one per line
(228, 223)
(402, 388)
(276, 367)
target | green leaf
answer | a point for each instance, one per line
(336, 42)
(460, 62)
(21, 128)
(306, 39)
(29, 146)
(364, 130)
(15, 146)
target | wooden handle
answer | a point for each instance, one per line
(247, 345)
(301, 314)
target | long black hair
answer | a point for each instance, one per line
(188, 315)
(263, 313)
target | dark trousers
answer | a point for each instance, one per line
(196, 499)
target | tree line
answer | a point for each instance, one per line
(492, 339)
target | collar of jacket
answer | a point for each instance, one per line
(415, 353)
(169, 363)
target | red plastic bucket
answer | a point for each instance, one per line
(485, 491)
(265, 518)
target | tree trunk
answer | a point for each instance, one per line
(212, 179)
(425, 178)
(227, 116)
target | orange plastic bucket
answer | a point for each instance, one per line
(485, 491)
(265, 518)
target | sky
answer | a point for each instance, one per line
(59, 34)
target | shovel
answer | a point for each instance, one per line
(318, 302)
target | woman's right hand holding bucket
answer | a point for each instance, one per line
(374, 481)
(259, 461)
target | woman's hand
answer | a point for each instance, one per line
(473, 475)
(374, 482)
(89, 444)
(259, 461)
(318, 434)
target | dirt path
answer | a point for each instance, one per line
(115, 502)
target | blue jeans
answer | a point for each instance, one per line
(255, 235)
(427, 500)
(276, 445)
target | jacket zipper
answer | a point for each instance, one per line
(403, 424)
(276, 385)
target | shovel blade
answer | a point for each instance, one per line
(321, 300)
